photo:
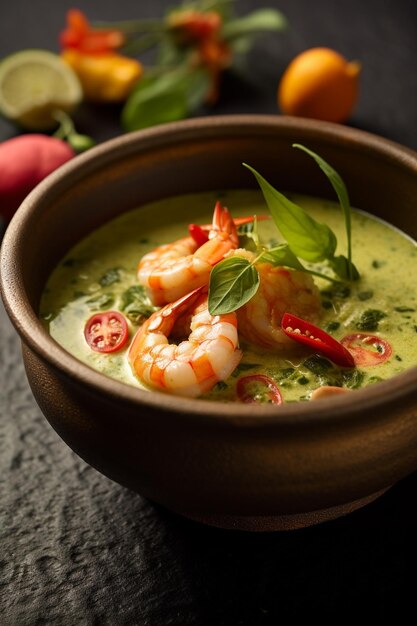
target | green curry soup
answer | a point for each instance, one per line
(100, 274)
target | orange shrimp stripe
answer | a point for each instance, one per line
(202, 368)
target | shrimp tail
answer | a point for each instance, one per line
(163, 321)
(223, 225)
(200, 234)
(221, 239)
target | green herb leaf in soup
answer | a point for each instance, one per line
(233, 282)
(307, 238)
(348, 270)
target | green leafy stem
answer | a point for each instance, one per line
(235, 280)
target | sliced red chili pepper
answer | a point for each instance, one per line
(251, 389)
(367, 349)
(106, 332)
(316, 338)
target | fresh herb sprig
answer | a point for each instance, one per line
(341, 265)
(234, 281)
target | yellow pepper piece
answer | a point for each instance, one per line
(108, 77)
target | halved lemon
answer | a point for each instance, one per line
(34, 84)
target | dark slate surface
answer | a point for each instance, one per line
(79, 549)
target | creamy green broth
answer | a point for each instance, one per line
(96, 274)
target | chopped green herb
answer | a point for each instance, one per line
(331, 326)
(303, 380)
(377, 264)
(339, 290)
(136, 305)
(286, 372)
(353, 379)
(397, 356)
(404, 309)
(318, 364)
(110, 277)
(369, 320)
(327, 304)
(365, 295)
(220, 386)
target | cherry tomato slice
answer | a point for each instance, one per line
(367, 349)
(252, 389)
(106, 332)
(316, 338)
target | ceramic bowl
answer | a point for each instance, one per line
(225, 464)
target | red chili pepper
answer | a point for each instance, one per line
(302, 331)
(198, 233)
(248, 387)
(80, 35)
(366, 349)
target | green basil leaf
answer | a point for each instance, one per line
(233, 282)
(282, 255)
(171, 96)
(136, 304)
(343, 196)
(306, 237)
(257, 21)
(344, 268)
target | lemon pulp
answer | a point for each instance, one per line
(34, 84)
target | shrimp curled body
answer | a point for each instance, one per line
(174, 269)
(280, 290)
(194, 366)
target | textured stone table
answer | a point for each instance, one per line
(79, 549)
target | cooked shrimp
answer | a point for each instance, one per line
(174, 269)
(328, 391)
(281, 290)
(194, 366)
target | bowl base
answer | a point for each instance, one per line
(270, 523)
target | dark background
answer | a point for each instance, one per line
(79, 549)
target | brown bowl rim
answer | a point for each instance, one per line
(350, 406)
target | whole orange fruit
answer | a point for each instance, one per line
(319, 83)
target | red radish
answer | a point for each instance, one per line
(24, 162)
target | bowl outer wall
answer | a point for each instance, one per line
(189, 454)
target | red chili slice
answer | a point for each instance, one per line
(198, 233)
(106, 332)
(366, 349)
(249, 387)
(316, 338)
